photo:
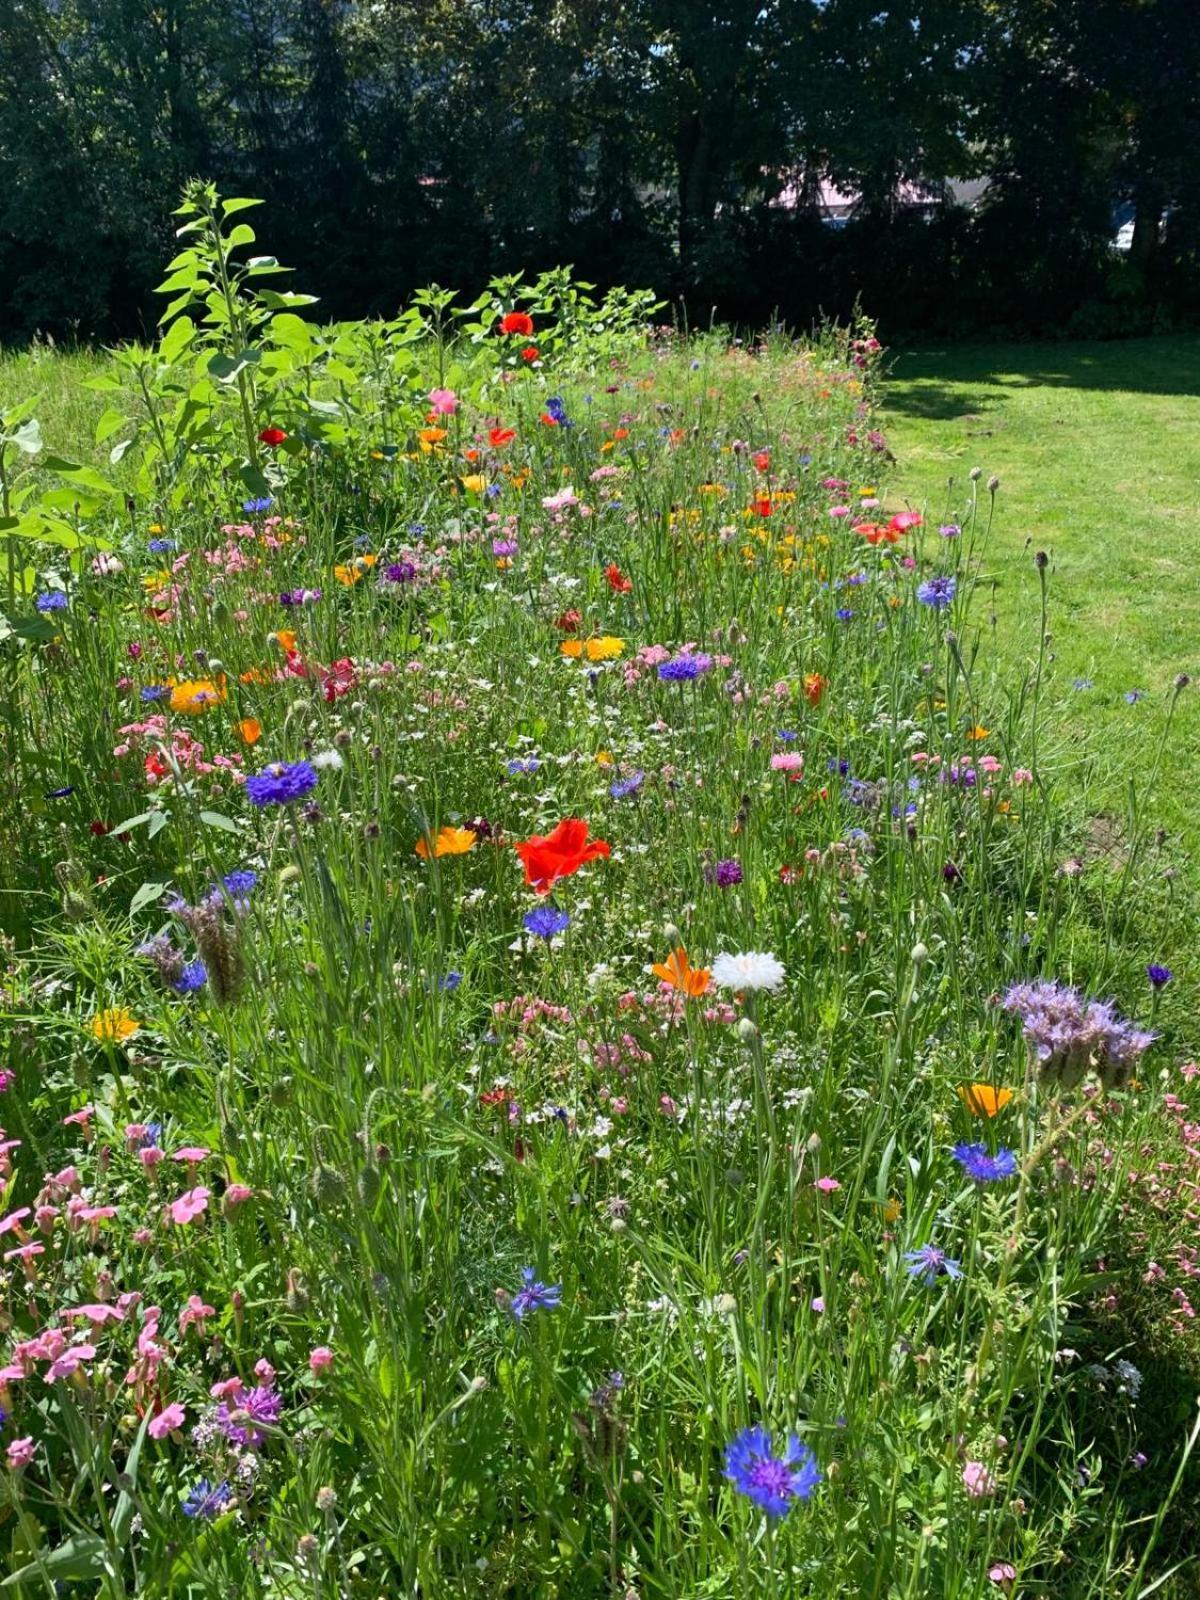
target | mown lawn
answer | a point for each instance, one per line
(1097, 448)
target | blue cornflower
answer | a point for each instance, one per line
(55, 600)
(546, 921)
(772, 1482)
(160, 547)
(929, 1262)
(450, 982)
(493, 491)
(683, 668)
(979, 1163)
(624, 787)
(240, 883)
(785, 734)
(60, 794)
(937, 592)
(281, 784)
(207, 1499)
(1082, 683)
(556, 409)
(1132, 696)
(839, 765)
(154, 691)
(152, 1137)
(843, 613)
(522, 768)
(416, 529)
(194, 976)
(262, 503)
(1159, 975)
(533, 1295)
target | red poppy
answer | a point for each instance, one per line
(617, 581)
(99, 828)
(338, 679)
(272, 436)
(516, 322)
(569, 621)
(551, 422)
(762, 504)
(559, 854)
(762, 461)
(499, 437)
(530, 353)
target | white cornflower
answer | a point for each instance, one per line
(750, 970)
(328, 759)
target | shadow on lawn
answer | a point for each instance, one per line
(929, 384)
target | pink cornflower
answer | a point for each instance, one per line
(977, 1480)
(827, 1185)
(444, 402)
(320, 1359)
(787, 761)
(189, 1206)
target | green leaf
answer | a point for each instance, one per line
(230, 208)
(242, 234)
(226, 368)
(81, 477)
(158, 821)
(109, 423)
(133, 822)
(215, 819)
(176, 340)
(37, 629)
(81, 1557)
(145, 895)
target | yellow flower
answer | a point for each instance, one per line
(604, 758)
(893, 1209)
(571, 648)
(605, 648)
(448, 842)
(156, 527)
(197, 694)
(348, 575)
(250, 729)
(153, 581)
(475, 483)
(979, 733)
(115, 1025)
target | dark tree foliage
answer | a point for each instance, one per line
(673, 143)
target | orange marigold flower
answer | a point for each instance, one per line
(448, 842)
(571, 648)
(689, 980)
(115, 1025)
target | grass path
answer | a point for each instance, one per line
(1097, 448)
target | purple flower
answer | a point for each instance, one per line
(682, 669)
(399, 572)
(262, 503)
(281, 784)
(522, 768)
(937, 592)
(624, 787)
(843, 613)
(55, 600)
(504, 547)
(545, 921)
(533, 1295)
(1068, 1034)
(772, 1482)
(928, 1263)
(1159, 976)
(193, 977)
(206, 1499)
(724, 874)
(950, 530)
(979, 1163)
(243, 1420)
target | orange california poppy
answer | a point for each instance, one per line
(982, 1100)
(448, 842)
(250, 729)
(814, 687)
(692, 981)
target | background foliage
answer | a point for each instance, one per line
(413, 140)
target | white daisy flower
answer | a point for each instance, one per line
(750, 970)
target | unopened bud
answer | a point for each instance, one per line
(919, 955)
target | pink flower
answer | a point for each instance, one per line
(195, 1311)
(1003, 1573)
(1020, 775)
(25, 1252)
(69, 1362)
(150, 1155)
(167, 1421)
(193, 1154)
(818, 1304)
(320, 1358)
(189, 1206)
(236, 1195)
(787, 761)
(977, 1480)
(227, 1389)
(21, 1453)
(83, 1116)
(97, 1315)
(827, 1185)
(443, 401)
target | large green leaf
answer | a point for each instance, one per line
(81, 477)
(81, 1557)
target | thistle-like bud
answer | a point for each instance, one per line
(296, 1295)
(368, 1185)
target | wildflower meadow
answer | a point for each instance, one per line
(558, 1041)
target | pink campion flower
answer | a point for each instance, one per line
(194, 1312)
(68, 1179)
(142, 1236)
(20, 1453)
(227, 1389)
(150, 1155)
(25, 1252)
(444, 402)
(827, 1185)
(1004, 1574)
(168, 1420)
(189, 1206)
(96, 1314)
(977, 1480)
(12, 1222)
(95, 1213)
(193, 1154)
(135, 1132)
(81, 1118)
(320, 1359)
(264, 1371)
(70, 1361)
(236, 1195)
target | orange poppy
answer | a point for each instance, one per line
(689, 980)
(982, 1100)
(250, 729)
(814, 687)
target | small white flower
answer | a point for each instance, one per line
(750, 970)
(328, 760)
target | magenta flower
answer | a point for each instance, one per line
(168, 1420)
(189, 1206)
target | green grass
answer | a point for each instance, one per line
(1097, 448)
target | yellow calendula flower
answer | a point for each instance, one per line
(448, 842)
(605, 648)
(115, 1025)
(571, 648)
(354, 570)
(978, 732)
(604, 758)
(153, 581)
(892, 1209)
(156, 527)
(196, 694)
(475, 483)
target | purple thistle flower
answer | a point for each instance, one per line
(399, 572)
(979, 1163)
(534, 1295)
(772, 1482)
(724, 874)
(243, 1421)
